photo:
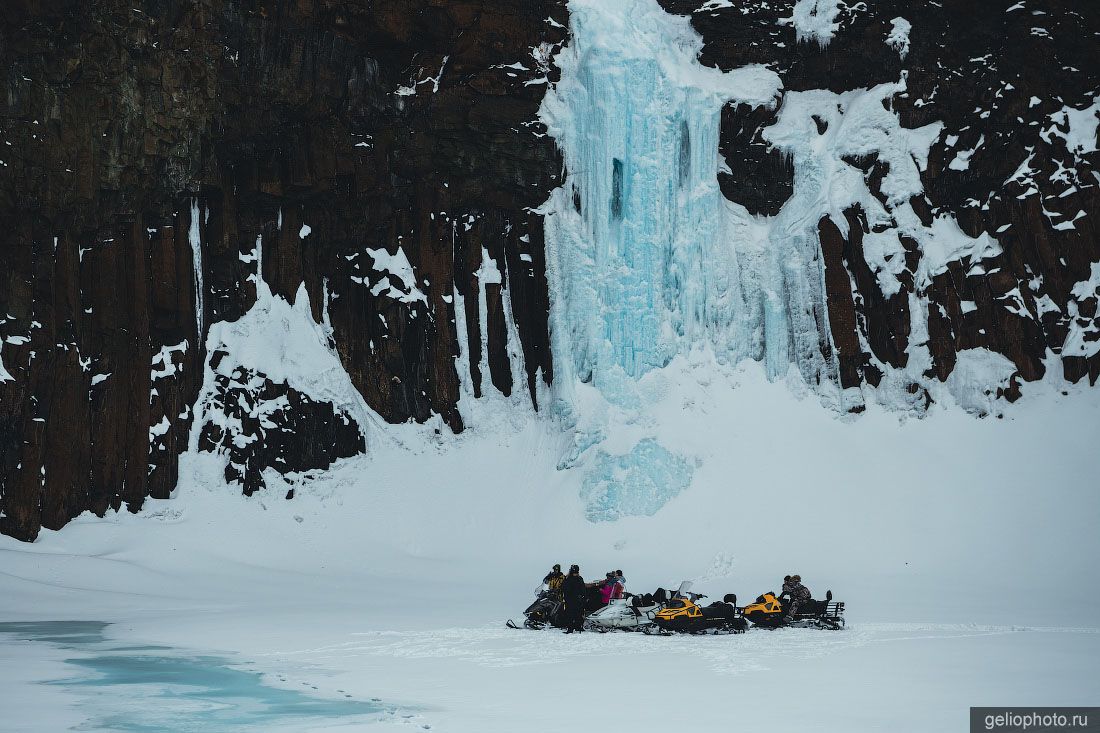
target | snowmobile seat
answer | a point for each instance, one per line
(821, 608)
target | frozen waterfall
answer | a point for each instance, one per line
(647, 259)
(649, 263)
(641, 263)
(644, 254)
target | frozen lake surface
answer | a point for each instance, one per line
(159, 688)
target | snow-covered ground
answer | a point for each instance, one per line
(964, 548)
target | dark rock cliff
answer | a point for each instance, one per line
(323, 128)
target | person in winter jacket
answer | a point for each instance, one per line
(554, 579)
(622, 580)
(573, 591)
(611, 588)
(798, 594)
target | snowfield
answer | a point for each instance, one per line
(964, 548)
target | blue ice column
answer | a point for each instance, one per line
(646, 259)
(637, 269)
(629, 242)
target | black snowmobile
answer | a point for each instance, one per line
(549, 609)
(769, 612)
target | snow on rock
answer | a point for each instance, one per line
(398, 266)
(961, 161)
(978, 376)
(163, 364)
(815, 20)
(1083, 339)
(1077, 127)
(270, 374)
(5, 375)
(898, 38)
(944, 242)
(282, 342)
(1088, 288)
(886, 258)
(827, 134)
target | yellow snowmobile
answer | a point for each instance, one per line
(685, 615)
(769, 612)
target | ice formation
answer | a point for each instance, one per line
(648, 261)
(193, 237)
(636, 483)
(638, 259)
(636, 244)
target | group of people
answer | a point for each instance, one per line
(575, 592)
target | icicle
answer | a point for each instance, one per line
(193, 236)
(487, 274)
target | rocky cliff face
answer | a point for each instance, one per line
(147, 148)
(170, 165)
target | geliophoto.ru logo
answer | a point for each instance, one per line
(1035, 720)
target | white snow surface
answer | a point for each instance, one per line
(964, 549)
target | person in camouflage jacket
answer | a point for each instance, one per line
(798, 594)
